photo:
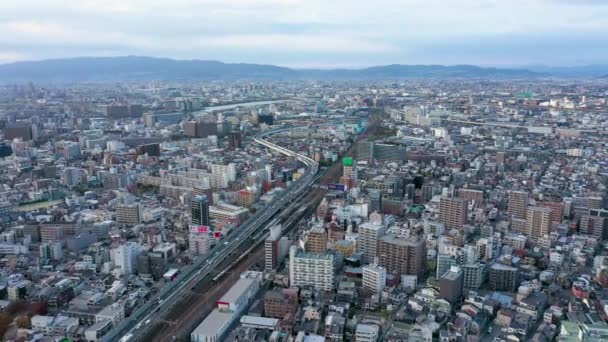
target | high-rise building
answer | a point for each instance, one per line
(453, 212)
(389, 152)
(557, 212)
(517, 204)
(349, 173)
(374, 278)
(23, 131)
(153, 150)
(375, 200)
(279, 303)
(199, 207)
(199, 241)
(72, 176)
(275, 248)
(450, 285)
(472, 276)
(200, 129)
(129, 214)
(471, 195)
(52, 250)
(410, 191)
(503, 277)
(593, 225)
(539, 222)
(307, 269)
(367, 241)
(365, 150)
(125, 257)
(402, 256)
(444, 263)
(235, 140)
(316, 241)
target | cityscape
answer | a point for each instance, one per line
(327, 185)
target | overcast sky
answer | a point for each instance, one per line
(311, 33)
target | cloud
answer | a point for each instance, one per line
(302, 32)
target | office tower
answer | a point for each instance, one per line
(124, 111)
(200, 129)
(158, 265)
(472, 276)
(143, 264)
(453, 212)
(129, 214)
(72, 176)
(69, 150)
(52, 250)
(402, 256)
(125, 257)
(503, 277)
(267, 119)
(450, 285)
(275, 248)
(374, 278)
(410, 191)
(199, 206)
(444, 263)
(471, 195)
(367, 241)
(427, 191)
(235, 140)
(23, 131)
(389, 152)
(539, 222)
(365, 150)
(153, 150)
(306, 269)
(517, 204)
(199, 241)
(375, 200)
(316, 241)
(500, 158)
(593, 225)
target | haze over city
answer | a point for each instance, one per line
(311, 33)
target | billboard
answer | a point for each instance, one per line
(336, 187)
(200, 229)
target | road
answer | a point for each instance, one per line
(202, 298)
(133, 329)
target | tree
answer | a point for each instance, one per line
(5, 322)
(24, 322)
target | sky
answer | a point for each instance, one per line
(311, 33)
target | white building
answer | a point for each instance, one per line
(51, 250)
(367, 332)
(124, 257)
(374, 278)
(311, 269)
(367, 242)
(199, 243)
(54, 325)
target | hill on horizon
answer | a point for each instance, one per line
(135, 68)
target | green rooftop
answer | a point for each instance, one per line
(347, 161)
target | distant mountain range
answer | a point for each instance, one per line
(109, 69)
